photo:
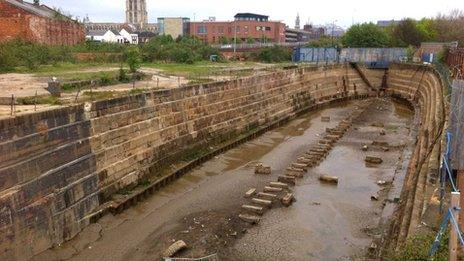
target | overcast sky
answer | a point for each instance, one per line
(317, 12)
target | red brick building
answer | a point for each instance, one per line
(37, 23)
(246, 25)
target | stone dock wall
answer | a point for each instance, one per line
(58, 167)
(423, 87)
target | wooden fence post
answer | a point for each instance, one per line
(453, 240)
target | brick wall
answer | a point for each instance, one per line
(59, 166)
(16, 23)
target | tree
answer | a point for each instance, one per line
(250, 40)
(450, 27)
(324, 42)
(407, 33)
(223, 40)
(366, 35)
(133, 59)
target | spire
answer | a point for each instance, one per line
(297, 22)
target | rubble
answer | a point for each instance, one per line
(328, 179)
(288, 199)
(325, 118)
(174, 248)
(262, 170)
(373, 160)
(250, 193)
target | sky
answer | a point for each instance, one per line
(344, 12)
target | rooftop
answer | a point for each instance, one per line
(37, 9)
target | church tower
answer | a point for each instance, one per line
(136, 12)
(297, 21)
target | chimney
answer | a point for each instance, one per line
(37, 2)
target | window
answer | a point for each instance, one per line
(202, 29)
(220, 29)
(237, 28)
(268, 28)
(246, 28)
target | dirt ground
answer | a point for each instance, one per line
(326, 222)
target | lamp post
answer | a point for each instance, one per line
(333, 32)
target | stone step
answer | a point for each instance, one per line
(253, 209)
(267, 196)
(287, 179)
(294, 173)
(278, 185)
(250, 218)
(262, 202)
(272, 189)
(299, 166)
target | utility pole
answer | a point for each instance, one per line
(333, 32)
(235, 36)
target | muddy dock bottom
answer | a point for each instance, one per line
(326, 222)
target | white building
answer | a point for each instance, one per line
(128, 37)
(112, 36)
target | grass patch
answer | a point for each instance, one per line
(98, 95)
(137, 91)
(418, 247)
(62, 68)
(40, 100)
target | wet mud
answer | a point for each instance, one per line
(325, 223)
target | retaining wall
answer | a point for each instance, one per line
(422, 86)
(58, 168)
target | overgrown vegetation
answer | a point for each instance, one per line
(418, 247)
(275, 54)
(182, 50)
(16, 54)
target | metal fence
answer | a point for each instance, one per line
(256, 45)
(373, 57)
(455, 60)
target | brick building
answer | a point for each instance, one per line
(37, 23)
(246, 25)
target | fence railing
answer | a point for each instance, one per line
(257, 45)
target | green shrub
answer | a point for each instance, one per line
(273, 54)
(418, 247)
(133, 59)
(122, 75)
(106, 79)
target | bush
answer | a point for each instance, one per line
(122, 75)
(184, 50)
(106, 79)
(273, 54)
(21, 53)
(133, 59)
